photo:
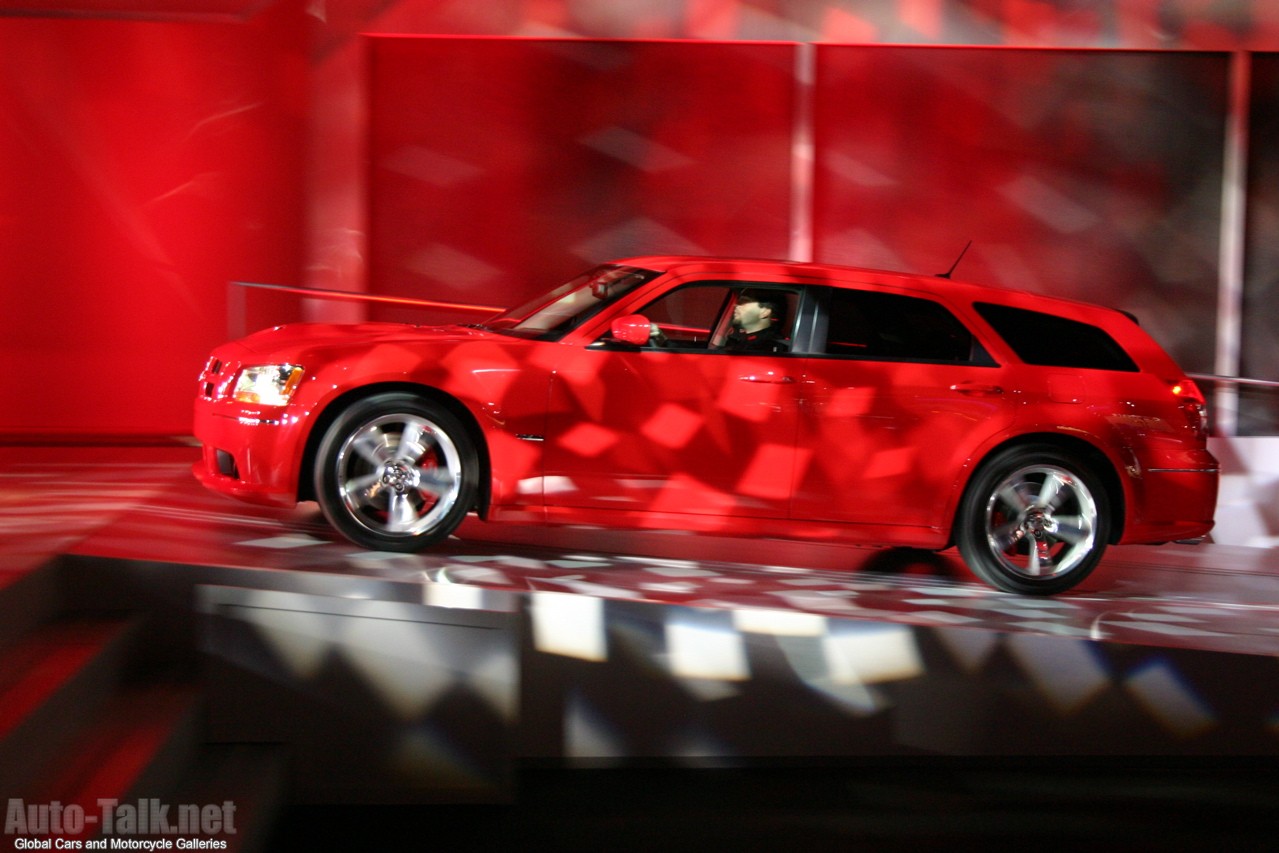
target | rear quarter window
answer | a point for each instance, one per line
(1051, 341)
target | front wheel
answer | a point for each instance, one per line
(396, 473)
(1034, 520)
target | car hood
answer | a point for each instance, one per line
(296, 336)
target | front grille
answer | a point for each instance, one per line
(212, 378)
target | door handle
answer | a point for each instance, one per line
(977, 389)
(767, 378)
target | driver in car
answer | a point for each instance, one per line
(756, 319)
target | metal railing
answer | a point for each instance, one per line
(1234, 406)
(237, 307)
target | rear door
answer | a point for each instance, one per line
(896, 396)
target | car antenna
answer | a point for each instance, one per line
(949, 272)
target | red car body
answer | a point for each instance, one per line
(1031, 431)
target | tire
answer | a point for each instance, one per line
(396, 472)
(1034, 520)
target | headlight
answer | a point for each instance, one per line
(267, 384)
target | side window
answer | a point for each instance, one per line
(1047, 340)
(725, 317)
(868, 324)
(687, 317)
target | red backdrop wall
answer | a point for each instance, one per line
(144, 166)
(500, 166)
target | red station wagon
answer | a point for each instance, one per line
(736, 397)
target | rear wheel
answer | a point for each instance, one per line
(395, 472)
(1034, 520)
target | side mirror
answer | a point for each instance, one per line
(632, 329)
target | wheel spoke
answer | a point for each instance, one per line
(1005, 536)
(361, 487)
(411, 448)
(370, 446)
(401, 513)
(436, 482)
(1012, 496)
(1073, 528)
(1050, 490)
(1033, 566)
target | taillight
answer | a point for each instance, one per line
(1188, 390)
(1191, 401)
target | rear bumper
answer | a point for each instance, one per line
(1173, 505)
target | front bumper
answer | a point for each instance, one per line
(248, 454)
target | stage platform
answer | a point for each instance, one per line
(452, 674)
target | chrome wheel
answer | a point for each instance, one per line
(1034, 519)
(398, 475)
(395, 472)
(1041, 522)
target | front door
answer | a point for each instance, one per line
(684, 425)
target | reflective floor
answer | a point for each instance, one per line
(142, 503)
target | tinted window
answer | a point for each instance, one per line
(1044, 339)
(868, 324)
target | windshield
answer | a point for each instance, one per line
(552, 315)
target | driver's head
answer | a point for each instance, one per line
(754, 311)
